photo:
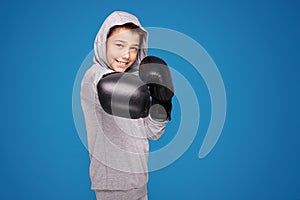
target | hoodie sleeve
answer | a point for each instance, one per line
(90, 106)
(154, 129)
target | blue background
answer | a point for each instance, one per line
(255, 45)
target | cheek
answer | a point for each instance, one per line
(110, 54)
(111, 50)
(133, 55)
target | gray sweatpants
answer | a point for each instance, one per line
(136, 194)
(142, 198)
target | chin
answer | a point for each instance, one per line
(120, 69)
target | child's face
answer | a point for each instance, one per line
(122, 49)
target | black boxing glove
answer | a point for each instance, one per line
(123, 95)
(156, 74)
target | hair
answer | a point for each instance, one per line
(129, 26)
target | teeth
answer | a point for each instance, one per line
(122, 63)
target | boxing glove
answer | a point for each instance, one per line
(156, 74)
(124, 95)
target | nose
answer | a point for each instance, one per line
(126, 55)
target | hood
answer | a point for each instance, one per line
(117, 18)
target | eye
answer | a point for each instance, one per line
(134, 49)
(119, 45)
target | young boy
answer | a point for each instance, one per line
(118, 146)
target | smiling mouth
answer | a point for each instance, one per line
(122, 64)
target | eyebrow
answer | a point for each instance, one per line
(120, 41)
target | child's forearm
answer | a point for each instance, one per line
(154, 129)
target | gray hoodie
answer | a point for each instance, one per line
(118, 146)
